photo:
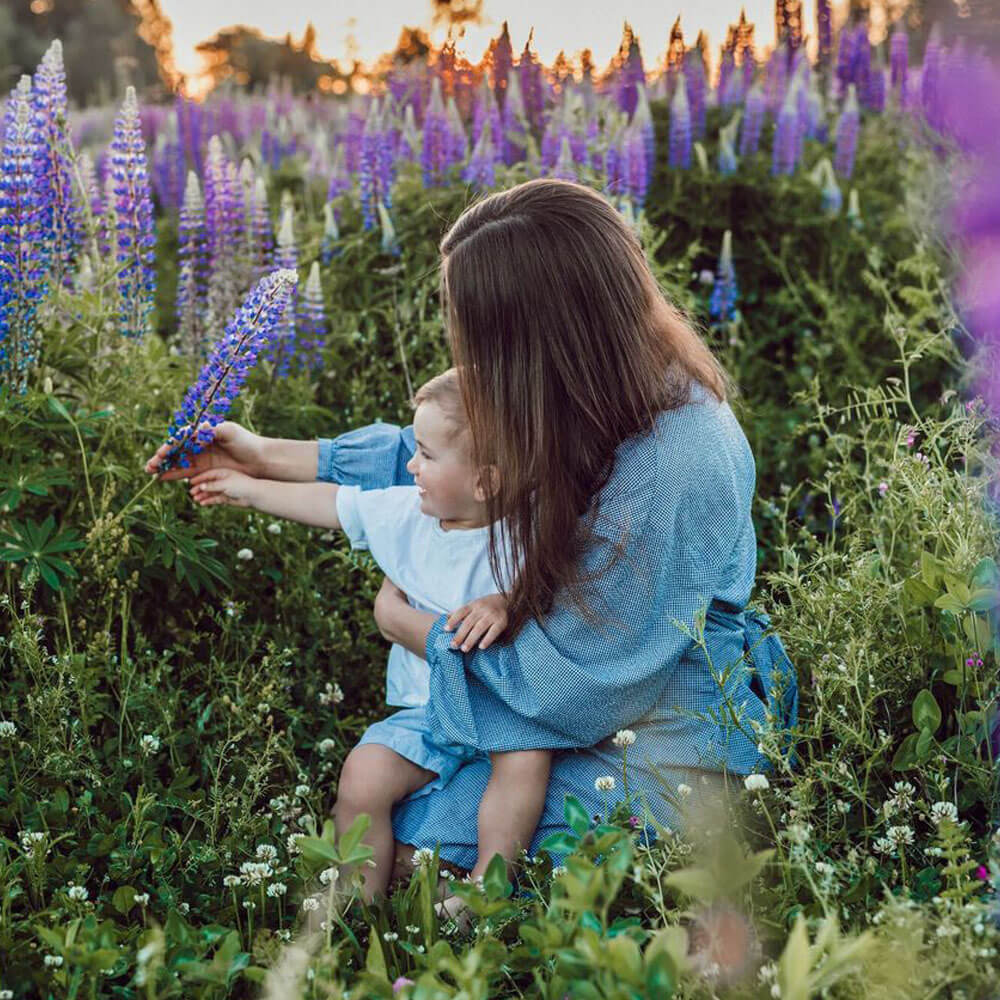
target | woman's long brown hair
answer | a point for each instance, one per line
(566, 347)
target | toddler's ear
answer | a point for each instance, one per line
(487, 482)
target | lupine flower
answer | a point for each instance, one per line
(369, 180)
(191, 268)
(899, 58)
(847, 134)
(680, 127)
(613, 166)
(457, 145)
(222, 218)
(331, 234)
(785, 152)
(753, 120)
(481, 168)
(339, 179)
(930, 79)
(566, 171)
(136, 237)
(845, 59)
(643, 119)
(260, 236)
(21, 239)
(503, 62)
(60, 215)
(722, 304)
(515, 124)
(311, 323)
(635, 174)
(234, 355)
(283, 343)
(434, 150)
(832, 198)
(697, 85)
(529, 73)
(776, 78)
(727, 74)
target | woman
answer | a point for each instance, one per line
(624, 497)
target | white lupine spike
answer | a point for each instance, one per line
(314, 290)
(286, 232)
(193, 201)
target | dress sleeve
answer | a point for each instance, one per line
(563, 683)
(371, 457)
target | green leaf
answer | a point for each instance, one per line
(495, 882)
(351, 837)
(559, 843)
(317, 849)
(948, 602)
(926, 713)
(57, 407)
(918, 592)
(923, 746)
(793, 966)
(698, 883)
(577, 818)
(375, 960)
(905, 756)
(124, 898)
(661, 976)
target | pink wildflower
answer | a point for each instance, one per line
(401, 983)
(883, 488)
(983, 873)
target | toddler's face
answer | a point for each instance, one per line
(441, 468)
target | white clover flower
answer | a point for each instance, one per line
(824, 868)
(149, 744)
(942, 810)
(278, 803)
(254, 872)
(6, 995)
(390, 936)
(327, 747)
(756, 783)
(231, 881)
(799, 833)
(274, 528)
(292, 843)
(52, 961)
(331, 695)
(30, 839)
(266, 852)
(624, 738)
(184, 908)
(558, 870)
(412, 929)
(141, 898)
(328, 875)
(310, 903)
(900, 835)
(422, 857)
(276, 889)
(605, 783)
(8, 730)
(842, 807)
(301, 791)
(245, 555)
(249, 904)
(683, 790)
(78, 892)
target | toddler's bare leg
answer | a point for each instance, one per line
(512, 804)
(374, 778)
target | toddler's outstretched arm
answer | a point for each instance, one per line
(309, 503)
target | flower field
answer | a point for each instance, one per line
(179, 686)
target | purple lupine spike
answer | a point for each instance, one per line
(899, 59)
(614, 166)
(930, 79)
(877, 86)
(340, 182)
(282, 346)
(480, 171)
(259, 234)
(847, 134)
(136, 237)
(753, 120)
(311, 322)
(503, 62)
(680, 127)
(727, 73)
(515, 124)
(530, 73)
(368, 179)
(221, 234)
(208, 400)
(815, 112)
(845, 58)
(88, 177)
(434, 149)
(22, 233)
(776, 79)
(61, 214)
(594, 150)
(191, 270)
(552, 138)
(644, 117)
(631, 72)
(725, 291)
(457, 145)
(824, 32)
(785, 153)
(634, 166)
(694, 77)
(861, 71)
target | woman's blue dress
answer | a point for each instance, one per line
(681, 495)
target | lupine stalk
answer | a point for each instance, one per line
(191, 267)
(753, 121)
(727, 145)
(208, 401)
(725, 291)
(221, 233)
(530, 77)
(22, 232)
(434, 149)
(311, 322)
(390, 243)
(283, 344)
(331, 234)
(785, 153)
(680, 127)
(697, 85)
(481, 168)
(503, 62)
(136, 238)
(847, 134)
(515, 124)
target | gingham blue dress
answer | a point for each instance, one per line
(683, 495)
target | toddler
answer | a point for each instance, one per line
(430, 539)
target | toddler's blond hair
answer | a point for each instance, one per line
(445, 391)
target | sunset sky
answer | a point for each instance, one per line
(374, 25)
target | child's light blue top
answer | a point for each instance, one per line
(684, 494)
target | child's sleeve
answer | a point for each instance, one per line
(372, 457)
(380, 521)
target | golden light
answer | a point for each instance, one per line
(41, 6)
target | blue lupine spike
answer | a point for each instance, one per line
(753, 121)
(368, 180)
(725, 291)
(223, 375)
(136, 236)
(847, 134)
(727, 162)
(680, 127)
(191, 270)
(22, 233)
(785, 153)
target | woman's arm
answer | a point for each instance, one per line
(372, 457)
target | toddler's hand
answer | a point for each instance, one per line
(482, 620)
(222, 486)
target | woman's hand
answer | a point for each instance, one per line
(223, 486)
(233, 447)
(482, 620)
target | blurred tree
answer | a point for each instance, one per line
(456, 12)
(243, 55)
(107, 44)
